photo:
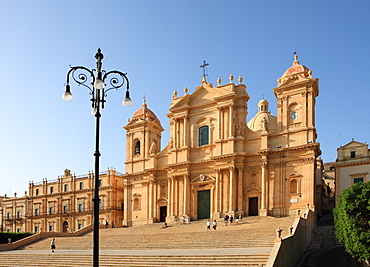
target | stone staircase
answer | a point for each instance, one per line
(245, 244)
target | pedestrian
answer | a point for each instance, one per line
(208, 225)
(226, 219)
(241, 216)
(106, 224)
(214, 225)
(231, 219)
(52, 245)
(236, 219)
(113, 224)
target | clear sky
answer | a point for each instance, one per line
(161, 44)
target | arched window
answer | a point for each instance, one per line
(293, 186)
(137, 148)
(203, 135)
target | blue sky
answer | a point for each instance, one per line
(161, 44)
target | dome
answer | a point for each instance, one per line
(144, 113)
(264, 120)
(296, 70)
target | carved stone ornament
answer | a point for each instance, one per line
(202, 177)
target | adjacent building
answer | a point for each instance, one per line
(216, 162)
(65, 204)
(352, 166)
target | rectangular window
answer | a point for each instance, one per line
(8, 215)
(353, 154)
(81, 185)
(37, 192)
(203, 135)
(80, 208)
(358, 180)
(51, 210)
(19, 214)
(51, 190)
(36, 228)
(65, 208)
(80, 225)
(100, 205)
(51, 228)
(18, 230)
(65, 188)
(36, 211)
(100, 183)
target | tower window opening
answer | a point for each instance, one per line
(137, 148)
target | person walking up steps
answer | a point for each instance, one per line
(208, 225)
(214, 225)
(52, 245)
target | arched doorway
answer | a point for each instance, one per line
(65, 227)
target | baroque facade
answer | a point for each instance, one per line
(65, 204)
(216, 162)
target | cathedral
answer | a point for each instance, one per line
(216, 162)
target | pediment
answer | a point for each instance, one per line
(295, 175)
(204, 94)
(293, 80)
(253, 188)
(354, 144)
(162, 200)
(203, 179)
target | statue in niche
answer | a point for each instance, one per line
(153, 148)
(264, 124)
(239, 130)
(170, 143)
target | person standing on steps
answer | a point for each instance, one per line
(113, 224)
(226, 219)
(106, 224)
(52, 245)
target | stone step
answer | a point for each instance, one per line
(123, 260)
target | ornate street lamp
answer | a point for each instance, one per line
(98, 91)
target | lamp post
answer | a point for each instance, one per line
(98, 92)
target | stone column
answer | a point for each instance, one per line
(231, 125)
(176, 136)
(263, 211)
(169, 197)
(286, 112)
(231, 189)
(185, 130)
(127, 220)
(304, 114)
(217, 206)
(240, 187)
(150, 197)
(219, 122)
(186, 186)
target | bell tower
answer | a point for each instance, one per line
(296, 94)
(143, 139)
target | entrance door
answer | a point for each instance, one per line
(253, 206)
(65, 227)
(204, 204)
(162, 213)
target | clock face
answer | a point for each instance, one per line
(294, 116)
